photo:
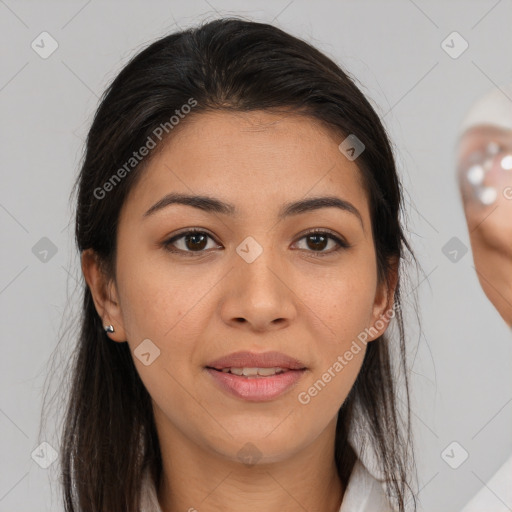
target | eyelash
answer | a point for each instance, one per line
(342, 244)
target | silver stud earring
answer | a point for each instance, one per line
(109, 328)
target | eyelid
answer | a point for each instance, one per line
(339, 238)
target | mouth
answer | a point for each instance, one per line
(253, 373)
(256, 377)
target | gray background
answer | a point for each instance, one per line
(461, 364)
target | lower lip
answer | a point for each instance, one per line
(256, 389)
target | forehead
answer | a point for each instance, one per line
(254, 159)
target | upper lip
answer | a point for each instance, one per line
(246, 359)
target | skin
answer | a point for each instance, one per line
(201, 307)
(490, 227)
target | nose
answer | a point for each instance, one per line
(259, 295)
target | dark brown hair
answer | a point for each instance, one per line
(109, 437)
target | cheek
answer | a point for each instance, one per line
(339, 360)
(165, 303)
(342, 300)
(155, 293)
(326, 389)
(344, 306)
(163, 306)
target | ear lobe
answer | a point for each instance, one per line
(104, 294)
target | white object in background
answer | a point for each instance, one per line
(494, 108)
(496, 496)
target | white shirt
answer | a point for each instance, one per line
(364, 493)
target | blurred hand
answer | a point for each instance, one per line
(485, 176)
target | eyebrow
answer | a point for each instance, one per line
(213, 205)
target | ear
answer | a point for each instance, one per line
(104, 294)
(384, 301)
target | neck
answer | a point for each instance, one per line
(197, 478)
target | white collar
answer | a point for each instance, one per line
(364, 493)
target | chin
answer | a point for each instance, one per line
(256, 449)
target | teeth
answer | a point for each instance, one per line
(249, 372)
(253, 372)
(267, 371)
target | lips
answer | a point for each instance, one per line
(246, 359)
(256, 377)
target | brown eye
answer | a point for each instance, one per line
(192, 241)
(195, 241)
(317, 241)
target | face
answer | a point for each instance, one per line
(254, 278)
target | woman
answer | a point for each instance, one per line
(238, 224)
